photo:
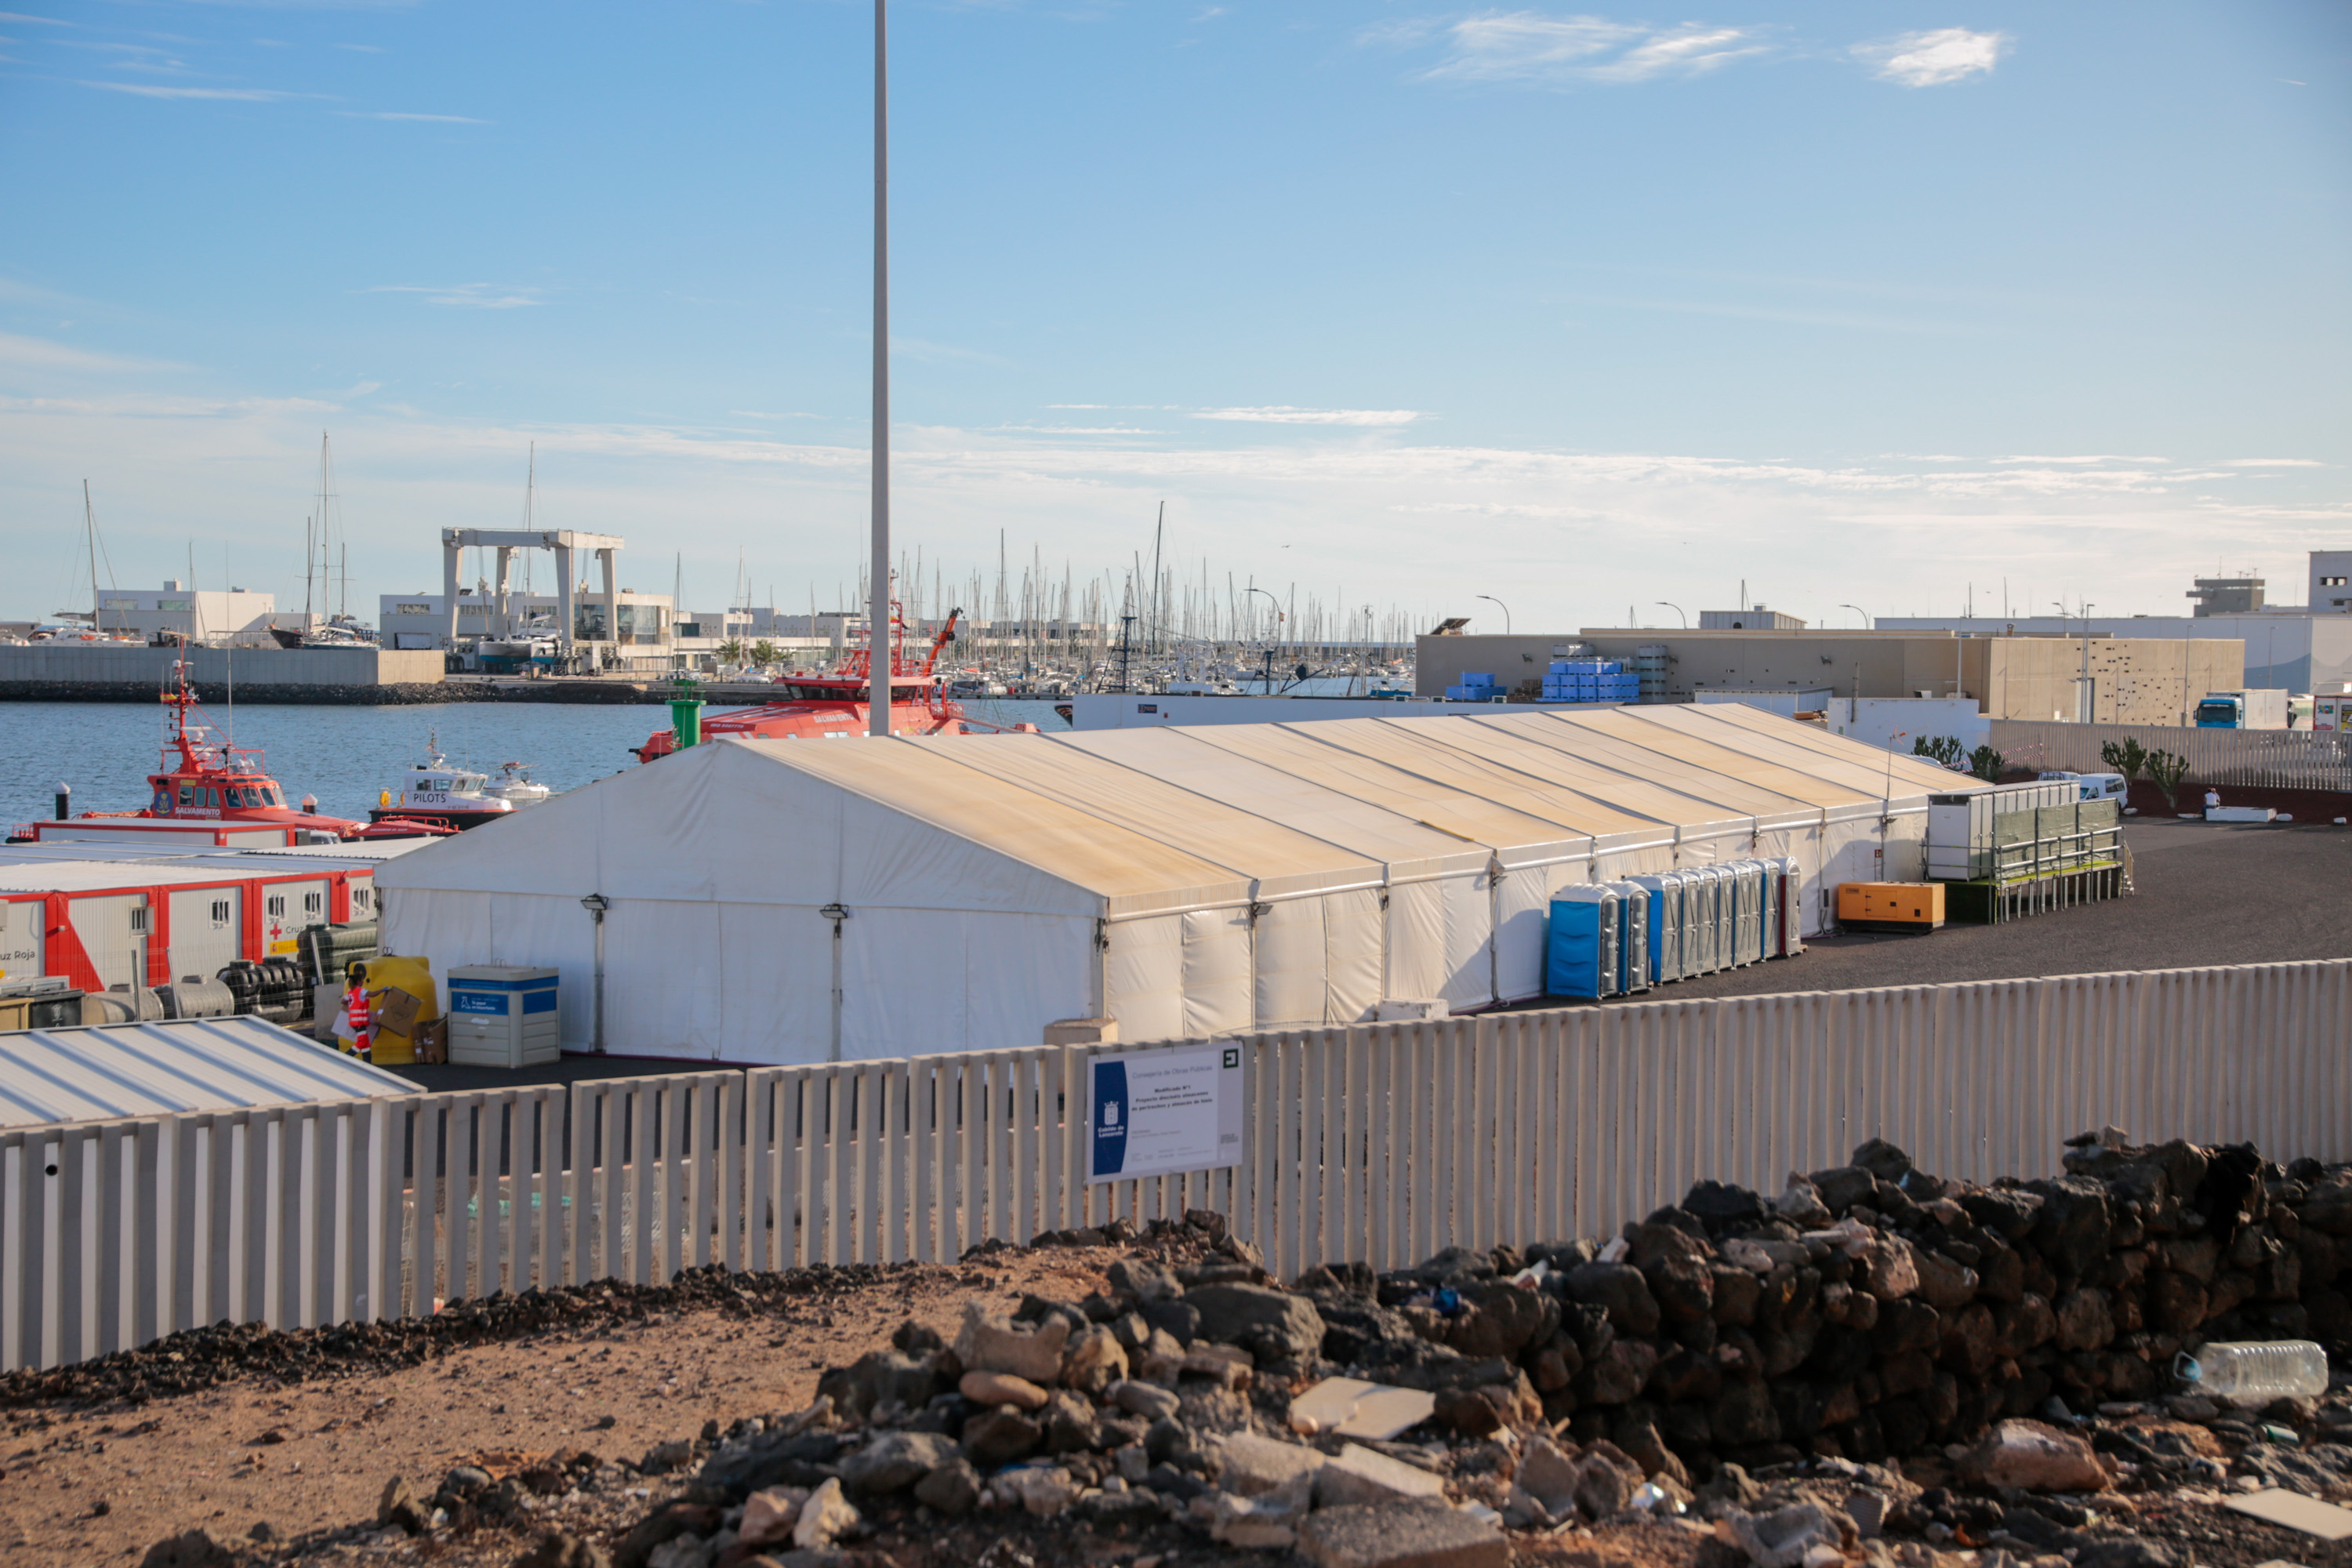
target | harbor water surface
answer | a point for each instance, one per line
(343, 756)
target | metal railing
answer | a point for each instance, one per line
(2257, 759)
(1378, 1142)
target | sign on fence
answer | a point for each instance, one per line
(1158, 1113)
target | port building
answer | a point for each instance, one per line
(795, 901)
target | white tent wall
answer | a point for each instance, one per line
(1178, 978)
(918, 982)
(1318, 961)
(717, 864)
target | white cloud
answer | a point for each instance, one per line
(234, 94)
(1526, 45)
(466, 296)
(40, 354)
(1933, 59)
(1896, 536)
(1285, 415)
(428, 118)
(2272, 463)
(1080, 429)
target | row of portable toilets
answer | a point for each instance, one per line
(1611, 939)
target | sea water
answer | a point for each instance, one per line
(344, 756)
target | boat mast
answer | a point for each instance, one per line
(878, 691)
(90, 528)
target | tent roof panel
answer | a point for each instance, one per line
(1287, 794)
(1281, 862)
(1720, 794)
(1626, 797)
(1854, 763)
(1136, 873)
(1327, 752)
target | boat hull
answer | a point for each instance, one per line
(444, 816)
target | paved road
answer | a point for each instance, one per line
(2209, 893)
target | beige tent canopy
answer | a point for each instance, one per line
(785, 901)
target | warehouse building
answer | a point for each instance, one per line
(785, 901)
(2133, 679)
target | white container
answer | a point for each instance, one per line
(2256, 1372)
(501, 1017)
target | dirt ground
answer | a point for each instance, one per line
(102, 1484)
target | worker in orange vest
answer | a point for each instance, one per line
(355, 1008)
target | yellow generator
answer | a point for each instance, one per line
(1915, 906)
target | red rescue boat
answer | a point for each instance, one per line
(834, 701)
(204, 778)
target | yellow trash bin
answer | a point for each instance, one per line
(414, 977)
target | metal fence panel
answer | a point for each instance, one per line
(1378, 1143)
(2263, 759)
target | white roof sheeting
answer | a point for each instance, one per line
(1184, 880)
(187, 1064)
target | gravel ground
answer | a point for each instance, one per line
(94, 1471)
(2208, 893)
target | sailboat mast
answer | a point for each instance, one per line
(878, 609)
(89, 530)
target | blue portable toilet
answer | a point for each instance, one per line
(1580, 956)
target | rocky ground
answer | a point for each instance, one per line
(1877, 1366)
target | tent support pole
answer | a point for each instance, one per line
(836, 914)
(597, 904)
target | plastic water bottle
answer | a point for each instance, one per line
(2257, 1371)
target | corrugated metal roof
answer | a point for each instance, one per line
(187, 1064)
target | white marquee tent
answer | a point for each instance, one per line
(787, 902)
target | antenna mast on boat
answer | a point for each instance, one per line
(878, 692)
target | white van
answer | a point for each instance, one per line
(2095, 786)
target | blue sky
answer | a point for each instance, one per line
(1861, 303)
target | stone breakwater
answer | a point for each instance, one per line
(1873, 1364)
(391, 694)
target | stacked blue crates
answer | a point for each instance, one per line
(1474, 689)
(1590, 680)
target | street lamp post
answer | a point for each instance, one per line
(1858, 610)
(1677, 609)
(1507, 610)
(2086, 698)
(1278, 621)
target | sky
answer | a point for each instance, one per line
(1861, 309)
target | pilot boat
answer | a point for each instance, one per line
(437, 791)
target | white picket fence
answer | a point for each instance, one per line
(1380, 1143)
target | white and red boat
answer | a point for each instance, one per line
(204, 781)
(835, 702)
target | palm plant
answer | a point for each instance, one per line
(1987, 763)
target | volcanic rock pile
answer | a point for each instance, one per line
(1865, 1313)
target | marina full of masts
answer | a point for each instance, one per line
(1031, 634)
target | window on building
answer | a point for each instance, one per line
(313, 902)
(276, 906)
(220, 911)
(139, 921)
(362, 897)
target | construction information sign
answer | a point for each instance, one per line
(1157, 1113)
